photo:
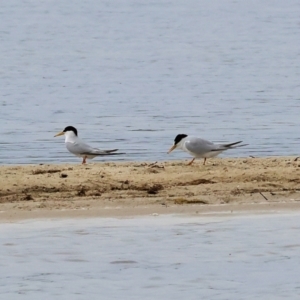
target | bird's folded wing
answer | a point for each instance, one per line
(79, 148)
(84, 149)
(98, 152)
(200, 146)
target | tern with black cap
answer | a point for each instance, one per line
(77, 147)
(200, 148)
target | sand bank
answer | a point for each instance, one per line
(124, 189)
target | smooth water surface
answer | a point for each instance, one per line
(164, 257)
(133, 74)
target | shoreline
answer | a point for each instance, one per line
(126, 189)
(225, 210)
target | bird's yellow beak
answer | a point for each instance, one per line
(172, 148)
(61, 133)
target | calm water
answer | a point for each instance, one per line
(253, 257)
(132, 74)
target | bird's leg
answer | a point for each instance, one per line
(191, 161)
(84, 160)
(204, 161)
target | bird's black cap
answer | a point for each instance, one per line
(71, 128)
(178, 138)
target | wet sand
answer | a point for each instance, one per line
(134, 188)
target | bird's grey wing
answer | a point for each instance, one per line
(84, 149)
(79, 148)
(229, 146)
(200, 146)
(98, 152)
(233, 145)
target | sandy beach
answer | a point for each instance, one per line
(124, 189)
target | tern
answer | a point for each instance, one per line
(77, 147)
(200, 148)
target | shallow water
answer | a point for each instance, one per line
(132, 75)
(163, 257)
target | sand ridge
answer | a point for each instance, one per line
(144, 184)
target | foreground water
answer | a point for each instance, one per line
(133, 74)
(162, 257)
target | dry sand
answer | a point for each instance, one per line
(124, 189)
